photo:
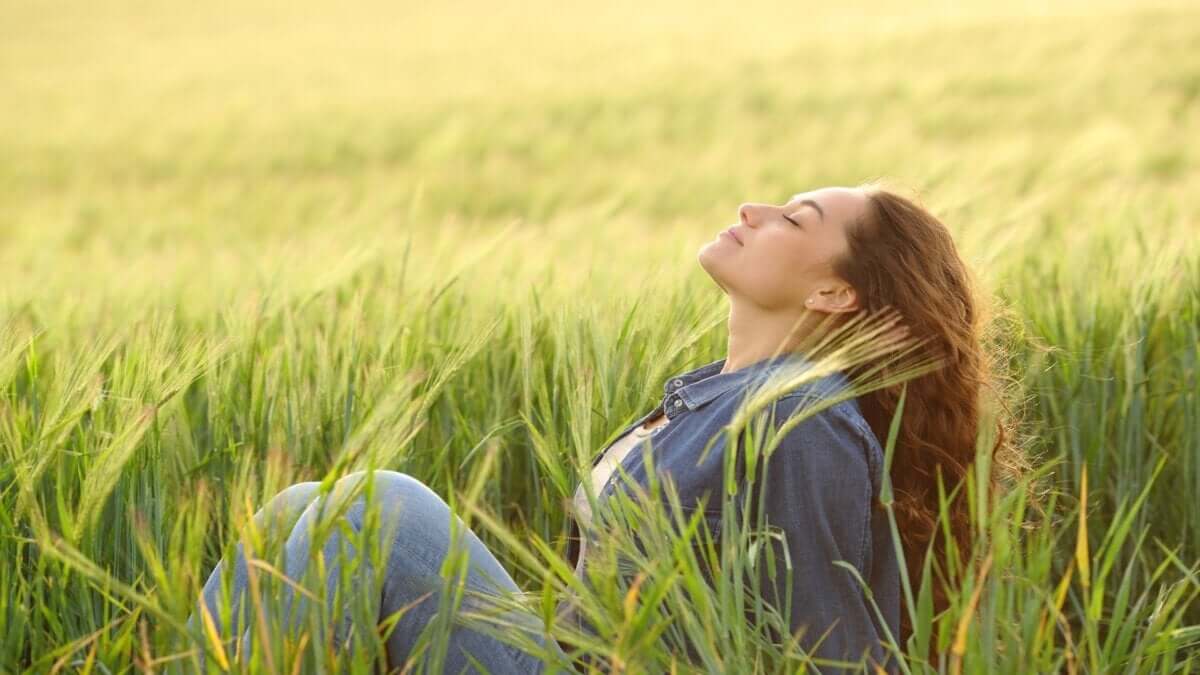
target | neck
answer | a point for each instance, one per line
(756, 334)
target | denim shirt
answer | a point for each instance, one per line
(820, 484)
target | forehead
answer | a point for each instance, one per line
(840, 204)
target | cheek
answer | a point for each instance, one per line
(787, 257)
(784, 268)
(777, 272)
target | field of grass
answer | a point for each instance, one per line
(245, 245)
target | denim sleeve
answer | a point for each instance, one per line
(816, 490)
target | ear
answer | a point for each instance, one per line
(837, 298)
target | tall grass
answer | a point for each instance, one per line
(463, 247)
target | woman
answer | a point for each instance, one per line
(791, 272)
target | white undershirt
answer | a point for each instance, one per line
(600, 475)
(601, 472)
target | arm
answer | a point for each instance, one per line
(816, 490)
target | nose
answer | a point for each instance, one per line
(747, 214)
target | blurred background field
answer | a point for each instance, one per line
(293, 231)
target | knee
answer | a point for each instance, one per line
(386, 483)
(296, 496)
(395, 491)
(281, 512)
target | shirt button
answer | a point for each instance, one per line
(677, 383)
(678, 403)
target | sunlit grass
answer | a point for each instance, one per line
(249, 247)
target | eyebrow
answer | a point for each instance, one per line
(812, 204)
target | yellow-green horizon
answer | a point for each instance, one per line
(242, 246)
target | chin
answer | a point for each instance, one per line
(713, 268)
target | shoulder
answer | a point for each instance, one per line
(842, 410)
(830, 396)
(825, 427)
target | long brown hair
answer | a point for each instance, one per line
(901, 255)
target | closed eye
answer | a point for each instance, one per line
(789, 219)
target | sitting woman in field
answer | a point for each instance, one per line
(794, 273)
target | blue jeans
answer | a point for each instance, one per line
(414, 530)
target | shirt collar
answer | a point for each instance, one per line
(698, 386)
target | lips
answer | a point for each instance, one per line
(733, 234)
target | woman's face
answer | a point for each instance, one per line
(777, 263)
